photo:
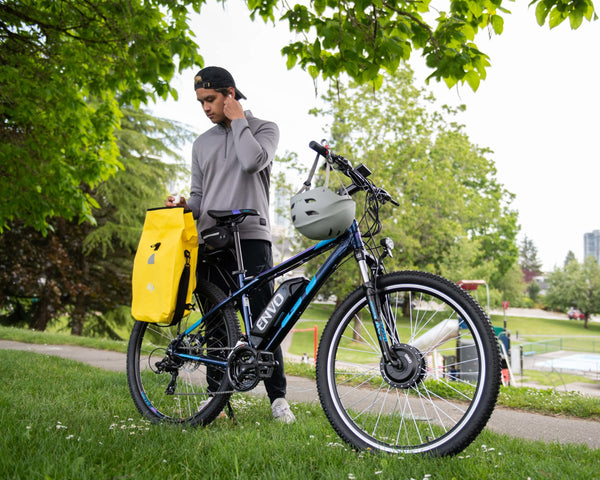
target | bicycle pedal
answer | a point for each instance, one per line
(266, 364)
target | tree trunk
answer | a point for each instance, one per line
(78, 316)
(40, 316)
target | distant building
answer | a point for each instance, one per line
(591, 245)
(541, 281)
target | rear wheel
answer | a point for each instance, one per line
(171, 388)
(437, 390)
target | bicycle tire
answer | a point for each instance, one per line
(200, 392)
(418, 406)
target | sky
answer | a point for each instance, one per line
(538, 111)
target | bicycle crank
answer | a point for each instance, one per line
(407, 369)
(247, 366)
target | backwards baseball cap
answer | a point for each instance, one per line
(214, 78)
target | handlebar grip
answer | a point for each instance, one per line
(320, 149)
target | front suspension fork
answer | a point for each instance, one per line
(384, 324)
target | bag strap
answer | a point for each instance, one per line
(184, 282)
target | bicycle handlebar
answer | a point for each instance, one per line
(320, 149)
(359, 181)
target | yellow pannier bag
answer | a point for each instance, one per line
(164, 269)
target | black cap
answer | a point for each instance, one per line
(214, 78)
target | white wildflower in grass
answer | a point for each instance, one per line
(378, 472)
(28, 427)
(351, 476)
(334, 444)
(60, 426)
(69, 437)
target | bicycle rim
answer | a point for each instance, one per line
(188, 391)
(438, 395)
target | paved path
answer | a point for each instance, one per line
(515, 423)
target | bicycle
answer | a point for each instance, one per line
(407, 363)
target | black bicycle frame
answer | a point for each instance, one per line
(344, 245)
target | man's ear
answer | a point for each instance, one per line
(231, 92)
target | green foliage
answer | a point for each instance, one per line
(575, 285)
(85, 271)
(513, 288)
(534, 291)
(528, 256)
(558, 11)
(453, 213)
(364, 39)
(549, 401)
(66, 68)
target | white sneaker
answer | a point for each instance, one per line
(281, 411)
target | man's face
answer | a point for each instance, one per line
(212, 104)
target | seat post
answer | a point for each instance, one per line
(241, 271)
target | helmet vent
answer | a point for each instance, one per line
(311, 212)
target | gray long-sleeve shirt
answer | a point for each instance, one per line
(231, 169)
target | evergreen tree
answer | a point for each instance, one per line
(82, 270)
(528, 257)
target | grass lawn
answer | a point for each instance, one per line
(66, 420)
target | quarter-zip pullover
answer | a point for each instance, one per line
(231, 169)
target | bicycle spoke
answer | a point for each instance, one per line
(433, 397)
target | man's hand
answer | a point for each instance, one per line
(172, 202)
(232, 108)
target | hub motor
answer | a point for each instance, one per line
(407, 369)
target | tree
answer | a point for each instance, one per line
(528, 257)
(66, 67)
(576, 285)
(445, 185)
(570, 258)
(56, 57)
(363, 38)
(534, 291)
(81, 270)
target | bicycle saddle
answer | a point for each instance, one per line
(231, 216)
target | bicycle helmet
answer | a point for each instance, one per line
(321, 214)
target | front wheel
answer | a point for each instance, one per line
(436, 389)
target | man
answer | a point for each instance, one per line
(231, 166)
